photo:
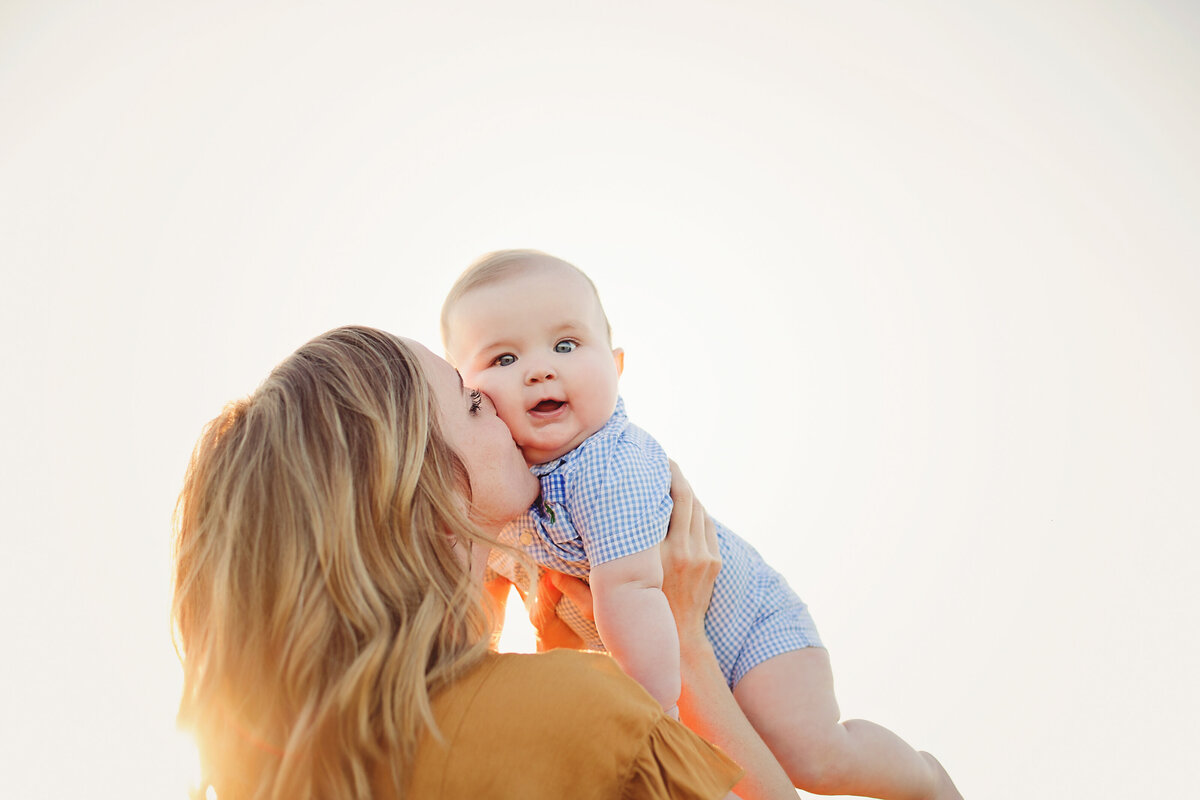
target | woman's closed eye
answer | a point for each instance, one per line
(566, 346)
(476, 401)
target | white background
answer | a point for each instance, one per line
(910, 294)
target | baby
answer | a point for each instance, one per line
(528, 330)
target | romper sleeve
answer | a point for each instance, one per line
(676, 764)
(622, 505)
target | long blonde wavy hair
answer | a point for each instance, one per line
(318, 599)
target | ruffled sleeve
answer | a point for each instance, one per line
(676, 764)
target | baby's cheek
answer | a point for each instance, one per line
(506, 403)
(512, 421)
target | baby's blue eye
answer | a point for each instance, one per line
(505, 360)
(565, 346)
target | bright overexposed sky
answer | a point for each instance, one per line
(910, 291)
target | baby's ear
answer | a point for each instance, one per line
(619, 360)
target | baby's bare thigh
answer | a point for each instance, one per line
(789, 694)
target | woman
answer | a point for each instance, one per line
(330, 543)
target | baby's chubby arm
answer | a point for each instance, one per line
(636, 624)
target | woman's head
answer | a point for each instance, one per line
(321, 584)
(501, 487)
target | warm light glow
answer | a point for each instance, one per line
(518, 635)
(186, 761)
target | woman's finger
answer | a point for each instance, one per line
(576, 591)
(680, 531)
(542, 613)
(710, 535)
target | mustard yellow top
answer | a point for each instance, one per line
(561, 725)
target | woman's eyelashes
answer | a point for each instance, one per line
(476, 401)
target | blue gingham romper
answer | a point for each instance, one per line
(610, 497)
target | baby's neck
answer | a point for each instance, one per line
(546, 456)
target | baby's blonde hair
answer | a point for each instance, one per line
(318, 600)
(495, 266)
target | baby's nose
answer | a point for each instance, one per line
(539, 373)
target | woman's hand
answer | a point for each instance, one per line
(552, 632)
(690, 557)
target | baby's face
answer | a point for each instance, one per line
(536, 343)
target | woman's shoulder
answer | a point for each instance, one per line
(563, 682)
(534, 727)
(561, 724)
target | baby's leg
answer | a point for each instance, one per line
(789, 700)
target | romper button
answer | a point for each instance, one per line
(526, 539)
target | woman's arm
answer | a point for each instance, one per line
(691, 561)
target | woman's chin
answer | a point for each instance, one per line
(490, 526)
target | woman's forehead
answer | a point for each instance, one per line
(441, 373)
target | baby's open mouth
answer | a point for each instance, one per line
(546, 406)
